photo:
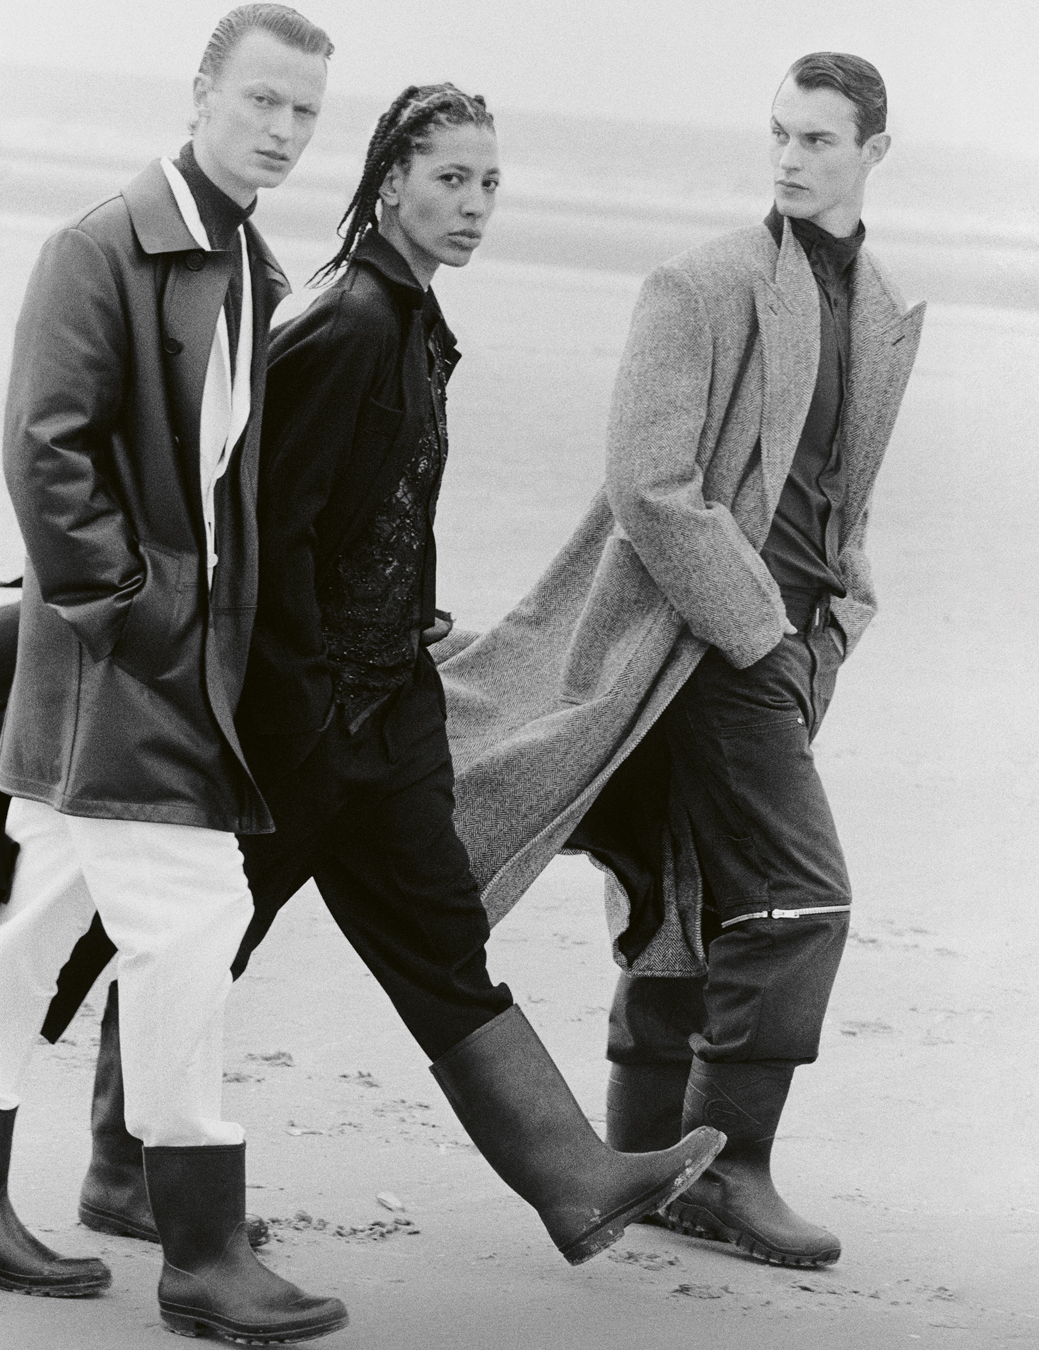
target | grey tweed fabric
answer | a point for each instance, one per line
(710, 399)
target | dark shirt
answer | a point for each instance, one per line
(221, 217)
(379, 594)
(802, 545)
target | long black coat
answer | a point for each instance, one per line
(129, 671)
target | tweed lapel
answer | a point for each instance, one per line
(884, 342)
(788, 318)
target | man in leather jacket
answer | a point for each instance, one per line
(131, 444)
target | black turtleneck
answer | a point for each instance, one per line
(801, 549)
(221, 217)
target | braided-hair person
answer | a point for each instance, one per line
(342, 714)
(404, 130)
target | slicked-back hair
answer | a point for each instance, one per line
(403, 131)
(858, 80)
(282, 22)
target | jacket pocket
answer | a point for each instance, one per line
(623, 606)
(152, 636)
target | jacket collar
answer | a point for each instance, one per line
(154, 213)
(830, 258)
(277, 281)
(160, 228)
(380, 256)
(375, 252)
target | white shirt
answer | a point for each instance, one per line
(226, 395)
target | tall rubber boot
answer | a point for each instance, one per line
(644, 1104)
(735, 1199)
(211, 1281)
(26, 1265)
(114, 1198)
(520, 1114)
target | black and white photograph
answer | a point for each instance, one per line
(519, 665)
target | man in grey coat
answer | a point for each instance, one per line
(653, 701)
(131, 444)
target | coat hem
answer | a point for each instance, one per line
(166, 813)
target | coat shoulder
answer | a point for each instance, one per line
(725, 268)
(107, 222)
(340, 319)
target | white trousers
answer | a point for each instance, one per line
(174, 900)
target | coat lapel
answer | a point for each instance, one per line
(270, 284)
(884, 342)
(788, 318)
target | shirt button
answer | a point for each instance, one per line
(195, 260)
(172, 346)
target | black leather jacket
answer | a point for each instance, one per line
(129, 670)
(347, 393)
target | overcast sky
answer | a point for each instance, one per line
(958, 71)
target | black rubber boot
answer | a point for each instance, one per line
(644, 1104)
(211, 1281)
(26, 1265)
(520, 1114)
(114, 1198)
(735, 1200)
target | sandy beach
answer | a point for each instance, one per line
(914, 1137)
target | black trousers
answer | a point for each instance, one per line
(369, 817)
(776, 889)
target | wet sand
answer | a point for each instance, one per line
(914, 1136)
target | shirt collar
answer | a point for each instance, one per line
(221, 216)
(830, 258)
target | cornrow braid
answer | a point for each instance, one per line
(401, 132)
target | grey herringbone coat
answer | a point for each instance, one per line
(710, 400)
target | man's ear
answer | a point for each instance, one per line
(200, 91)
(876, 148)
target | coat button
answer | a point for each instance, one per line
(195, 260)
(173, 346)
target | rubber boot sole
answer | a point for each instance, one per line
(695, 1221)
(114, 1224)
(194, 1322)
(87, 1288)
(612, 1227)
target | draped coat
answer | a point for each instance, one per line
(559, 700)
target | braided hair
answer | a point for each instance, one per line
(402, 131)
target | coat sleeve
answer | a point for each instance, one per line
(67, 385)
(324, 366)
(693, 549)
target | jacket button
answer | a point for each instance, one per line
(195, 260)
(173, 346)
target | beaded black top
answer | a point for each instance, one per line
(372, 596)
